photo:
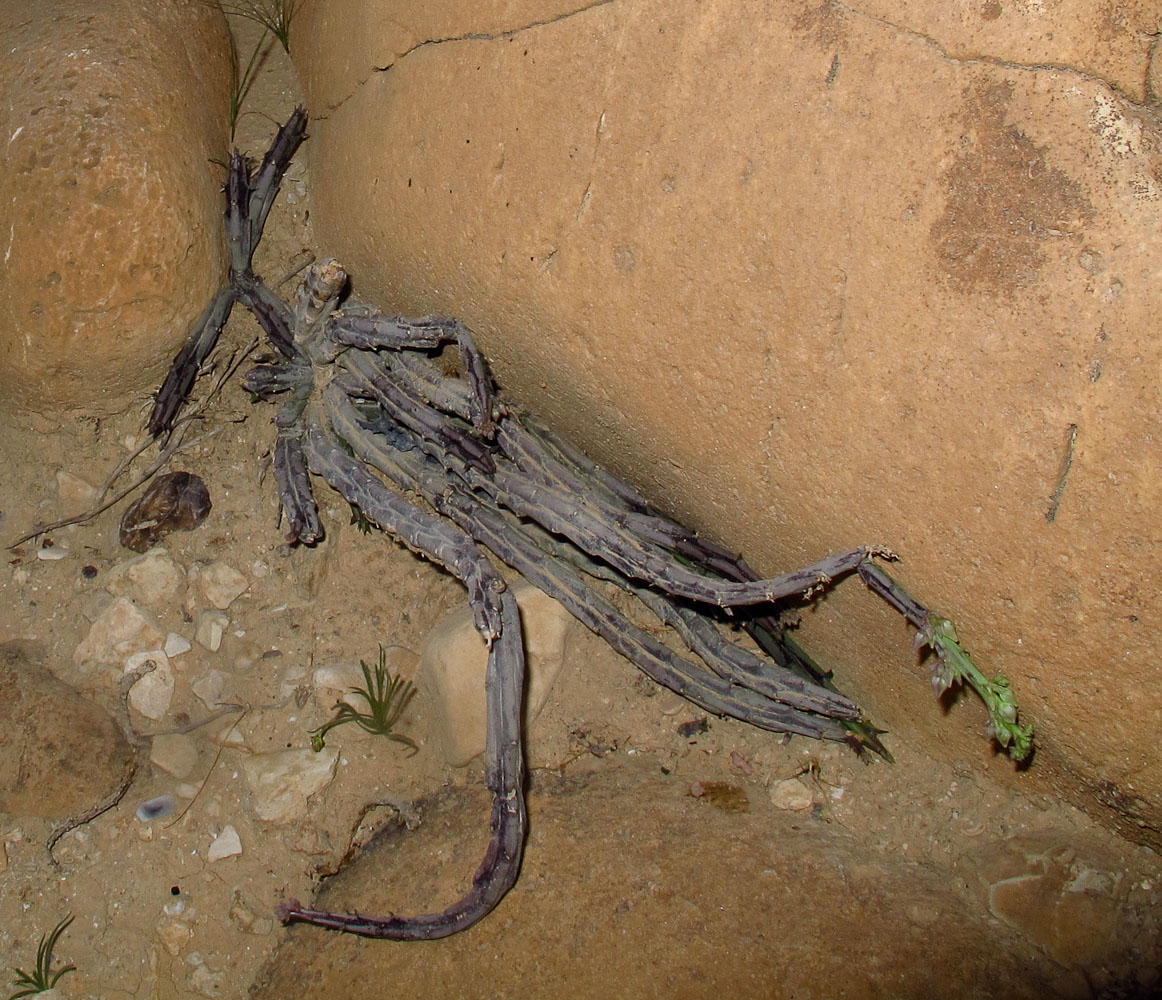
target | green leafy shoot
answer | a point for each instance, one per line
(954, 666)
(387, 697)
(43, 978)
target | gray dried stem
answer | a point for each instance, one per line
(360, 391)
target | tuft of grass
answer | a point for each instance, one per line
(241, 79)
(387, 696)
(42, 978)
(274, 15)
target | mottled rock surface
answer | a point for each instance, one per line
(151, 695)
(221, 584)
(52, 738)
(121, 630)
(153, 578)
(1071, 898)
(110, 228)
(812, 275)
(174, 753)
(281, 782)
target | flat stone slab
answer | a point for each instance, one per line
(633, 886)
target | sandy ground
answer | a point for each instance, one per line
(658, 864)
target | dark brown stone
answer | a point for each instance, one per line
(175, 501)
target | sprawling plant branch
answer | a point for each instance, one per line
(359, 391)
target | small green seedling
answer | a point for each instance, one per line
(361, 520)
(43, 978)
(386, 698)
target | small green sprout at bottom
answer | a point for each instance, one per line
(43, 978)
(387, 696)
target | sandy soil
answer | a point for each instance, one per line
(657, 863)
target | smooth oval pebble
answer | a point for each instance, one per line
(177, 501)
(157, 808)
(792, 794)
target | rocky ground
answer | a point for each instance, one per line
(664, 859)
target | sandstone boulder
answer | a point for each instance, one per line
(812, 275)
(52, 738)
(110, 223)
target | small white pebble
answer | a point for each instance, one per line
(211, 627)
(226, 845)
(176, 644)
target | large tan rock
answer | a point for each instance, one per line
(110, 225)
(813, 276)
(52, 741)
(632, 887)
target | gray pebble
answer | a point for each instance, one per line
(157, 808)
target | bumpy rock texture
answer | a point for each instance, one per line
(52, 738)
(110, 225)
(812, 275)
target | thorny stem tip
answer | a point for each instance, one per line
(953, 665)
